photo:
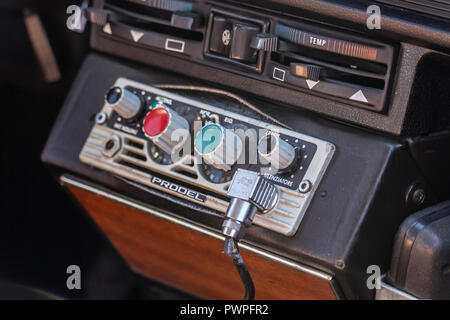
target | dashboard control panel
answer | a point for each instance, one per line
(192, 150)
(279, 51)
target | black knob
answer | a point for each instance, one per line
(240, 45)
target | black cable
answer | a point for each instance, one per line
(224, 93)
(230, 247)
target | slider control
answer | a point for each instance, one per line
(308, 71)
(265, 42)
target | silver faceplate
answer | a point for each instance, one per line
(284, 218)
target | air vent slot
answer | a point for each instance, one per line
(134, 155)
(190, 174)
(138, 10)
(170, 180)
(133, 166)
(163, 29)
(134, 144)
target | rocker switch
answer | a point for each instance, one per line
(240, 45)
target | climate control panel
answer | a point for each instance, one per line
(192, 150)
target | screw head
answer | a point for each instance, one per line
(416, 194)
(418, 197)
(340, 264)
(100, 118)
(305, 186)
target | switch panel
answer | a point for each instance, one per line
(229, 38)
(269, 51)
(151, 150)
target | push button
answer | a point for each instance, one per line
(156, 121)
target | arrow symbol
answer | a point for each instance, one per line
(107, 29)
(359, 96)
(311, 83)
(136, 35)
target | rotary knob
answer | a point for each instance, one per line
(218, 146)
(278, 152)
(164, 127)
(124, 102)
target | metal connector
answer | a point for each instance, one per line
(250, 193)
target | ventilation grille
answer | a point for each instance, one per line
(134, 156)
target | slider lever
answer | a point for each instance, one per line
(308, 71)
(265, 42)
(271, 43)
(250, 193)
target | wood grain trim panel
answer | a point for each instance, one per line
(192, 261)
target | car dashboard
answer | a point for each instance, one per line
(296, 140)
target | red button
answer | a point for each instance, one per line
(156, 121)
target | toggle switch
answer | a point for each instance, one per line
(240, 45)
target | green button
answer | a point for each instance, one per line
(208, 139)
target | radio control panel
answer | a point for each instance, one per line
(192, 150)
